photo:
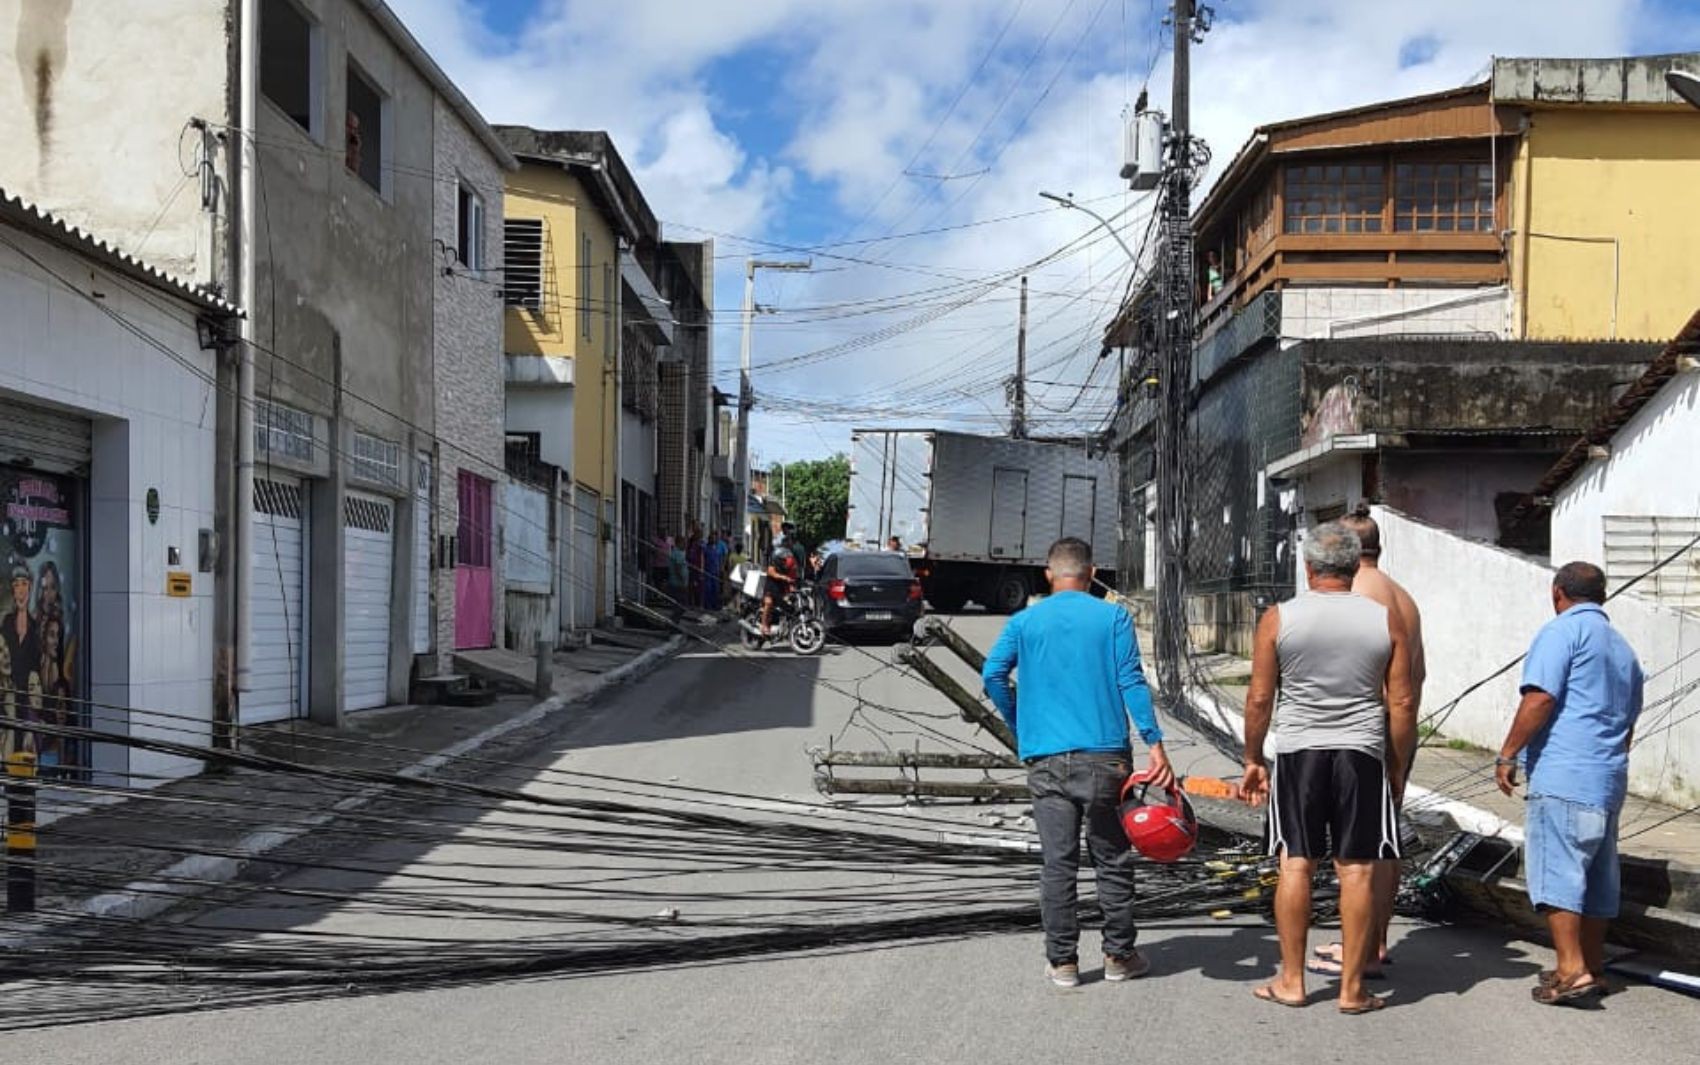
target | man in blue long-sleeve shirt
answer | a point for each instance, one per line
(1080, 683)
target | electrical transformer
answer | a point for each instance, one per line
(1142, 156)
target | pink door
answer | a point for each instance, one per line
(475, 583)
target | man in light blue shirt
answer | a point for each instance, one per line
(1582, 692)
(1080, 683)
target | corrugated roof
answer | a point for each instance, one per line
(1660, 370)
(16, 211)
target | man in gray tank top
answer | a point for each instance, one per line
(1333, 671)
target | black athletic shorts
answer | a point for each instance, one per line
(1332, 803)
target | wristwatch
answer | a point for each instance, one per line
(1503, 761)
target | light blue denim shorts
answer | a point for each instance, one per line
(1570, 856)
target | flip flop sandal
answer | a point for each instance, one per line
(1371, 1005)
(1328, 967)
(1266, 993)
(1569, 994)
(1549, 977)
(1333, 951)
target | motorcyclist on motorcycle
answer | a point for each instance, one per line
(782, 574)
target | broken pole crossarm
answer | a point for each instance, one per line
(952, 639)
(973, 710)
(915, 759)
(1013, 791)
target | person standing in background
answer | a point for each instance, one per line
(1080, 682)
(677, 577)
(1332, 670)
(661, 562)
(714, 565)
(695, 559)
(1582, 694)
(1372, 583)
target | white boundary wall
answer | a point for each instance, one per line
(1482, 605)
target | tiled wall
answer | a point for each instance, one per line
(1370, 312)
(153, 428)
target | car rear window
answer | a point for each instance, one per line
(854, 565)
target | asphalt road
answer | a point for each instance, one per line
(717, 721)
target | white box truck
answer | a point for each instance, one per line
(976, 514)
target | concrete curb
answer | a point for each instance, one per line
(1425, 806)
(196, 874)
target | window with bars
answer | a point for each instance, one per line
(1334, 198)
(373, 515)
(282, 432)
(375, 459)
(1443, 198)
(278, 498)
(522, 263)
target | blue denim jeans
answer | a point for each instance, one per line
(1570, 856)
(1074, 791)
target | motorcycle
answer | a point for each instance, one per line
(795, 618)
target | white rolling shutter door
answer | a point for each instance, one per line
(53, 442)
(278, 654)
(368, 554)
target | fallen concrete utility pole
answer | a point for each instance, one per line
(912, 759)
(973, 710)
(1015, 791)
(952, 639)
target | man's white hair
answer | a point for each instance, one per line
(1333, 550)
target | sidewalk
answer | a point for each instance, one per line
(1453, 787)
(136, 853)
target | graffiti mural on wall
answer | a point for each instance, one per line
(40, 617)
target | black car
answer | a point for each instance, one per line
(867, 591)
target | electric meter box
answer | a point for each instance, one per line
(1142, 155)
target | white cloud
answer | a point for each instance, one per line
(867, 83)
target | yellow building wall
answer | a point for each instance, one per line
(569, 215)
(1606, 207)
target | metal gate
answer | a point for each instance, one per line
(368, 554)
(475, 568)
(277, 661)
(587, 529)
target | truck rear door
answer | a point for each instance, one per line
(1079, 506)
(1009, 513)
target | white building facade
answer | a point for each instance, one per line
(108, 523)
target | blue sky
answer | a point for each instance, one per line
(792, 122)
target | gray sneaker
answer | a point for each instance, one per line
(1128, 967)
(1065, 975)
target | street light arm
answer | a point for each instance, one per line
(1104, 223)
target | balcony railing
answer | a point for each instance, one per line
(1258, 321)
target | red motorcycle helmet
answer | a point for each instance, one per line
(1163, 831)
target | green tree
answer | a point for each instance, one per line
(817, 498)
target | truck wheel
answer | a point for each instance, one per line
(1009, 593)
(948, 600)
